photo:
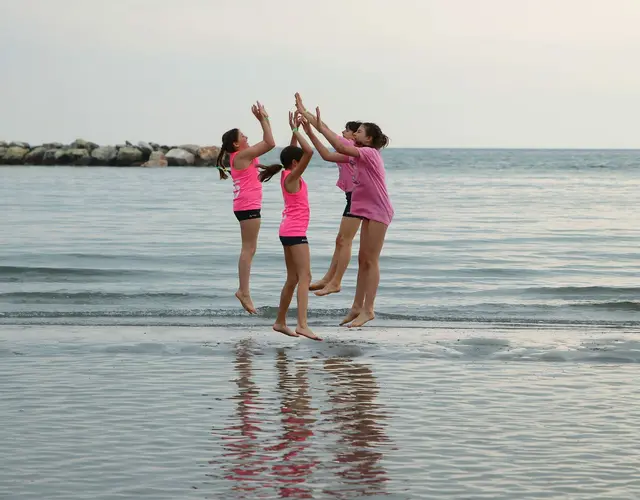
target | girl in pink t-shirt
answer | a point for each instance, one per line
(247, 193)
(370, 201)
(332, 281)
(293, 228)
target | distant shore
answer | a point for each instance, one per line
(86, 153)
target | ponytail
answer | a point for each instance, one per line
(228, 138)
(221, 166)
(267, 172)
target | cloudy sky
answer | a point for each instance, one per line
(431, 73)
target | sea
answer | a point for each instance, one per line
(503, 362)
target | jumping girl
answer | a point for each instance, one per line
(332, 281)
(247, 193)
(293, 228)
(370, 200)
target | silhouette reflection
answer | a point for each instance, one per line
(268, 447)
(358, 420)
(243, 461)
(294, 467)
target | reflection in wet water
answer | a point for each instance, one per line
(357, 419)
(278, 443)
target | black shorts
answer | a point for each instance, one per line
(247, 214)
(347, 209)
(289, 241)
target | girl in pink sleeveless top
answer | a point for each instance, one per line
(247, 193)
(331, 282)
(293, 228)
(370, 201)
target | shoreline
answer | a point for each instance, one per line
(87, 153)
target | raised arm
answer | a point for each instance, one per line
(338, 145)
(322, 149)
(292, 182)
(245, 157)
(309, 116)
(294, 141)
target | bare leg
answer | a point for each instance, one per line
(348, 229)
(372, 240)
(358, 300)
(286, 295)
(319, 285)
(249, 230)
(302, 260)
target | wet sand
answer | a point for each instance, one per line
(445, 411)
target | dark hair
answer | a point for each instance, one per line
(287, 156)
(378, 139)
(228, 138)
(353, 126)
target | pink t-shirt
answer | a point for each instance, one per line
(370, 198)
(247, 188)
(296, 213)
(345, 170)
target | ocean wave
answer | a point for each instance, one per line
(485, 313)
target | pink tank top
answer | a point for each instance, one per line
(247, 188)
(346, 170)
(296, 213)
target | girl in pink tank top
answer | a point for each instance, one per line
(331, 282)
(247, 193)
(370, 201)
(293, 228)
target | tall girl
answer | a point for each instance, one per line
(293, 228)
(350, 223)
(247, 193)
(370, 200)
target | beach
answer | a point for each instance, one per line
(502, 362)
(451, 411)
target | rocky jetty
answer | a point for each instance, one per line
(86, 153)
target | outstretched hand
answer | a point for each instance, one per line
(291, 120)
(306, 126)
(319, 126)
(259, 112)
(299, 105)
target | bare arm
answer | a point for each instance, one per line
(324, 151)
(292, 182)
(245, 157)
(338, 145)
(310, 116)
(294, 140)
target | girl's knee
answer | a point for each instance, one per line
(366, 260)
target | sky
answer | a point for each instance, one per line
(431, 73)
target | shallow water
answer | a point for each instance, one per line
(512, 236)
(502, 363)
(448, 412)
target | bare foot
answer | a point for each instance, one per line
(363, 317)
(283, 328)
(353, 314)
(328, 290)
(306, 332)
(318, 285)
(247, 303)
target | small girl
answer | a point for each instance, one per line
(293, 228)
(370, 200)
(350, 223)
(247, 193)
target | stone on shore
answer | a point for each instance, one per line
(104, 155)
(18, 144)
(180, 157)
(72, 157)
(3, 151)
(15, 155)
(207, 156)
(146, 148)
(192, 148)
(49, 157)
(35, 156)
(129, 155)
(157, 159)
